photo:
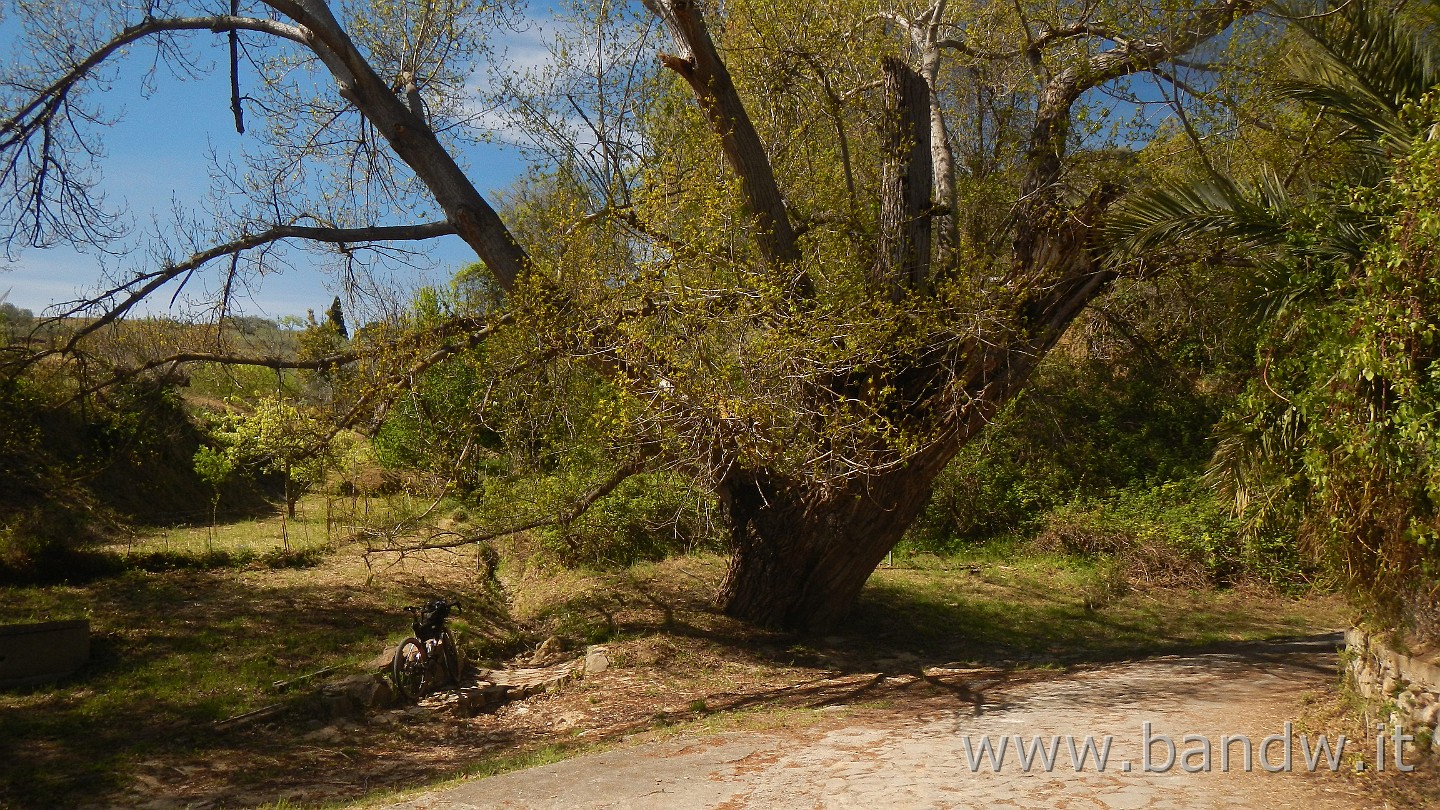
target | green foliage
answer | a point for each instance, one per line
(1338, 438)
(647, 517)
(319, 341)
(1089, 425)
(523, 443)
(1333, 437)
(1104, 454)
(450, 420)
(434, 425)
(274, 436)
(1174, 534)
(72, 471)
(213, 466)
(15, 323)
(225, 382)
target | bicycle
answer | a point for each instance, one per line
(432, 648)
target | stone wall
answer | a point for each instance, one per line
(1397, 689)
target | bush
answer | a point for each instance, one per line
(648, 517)
(1173, 535)
(1087, 427)
(49, 540)
(72, 473)
(45, 515)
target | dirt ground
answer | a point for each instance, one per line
(925, 648)
(914, 753)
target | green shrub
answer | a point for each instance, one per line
(647, 517)
(72, 473)
(1173, 535)
(1087, 427)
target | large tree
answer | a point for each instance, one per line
(813, 254)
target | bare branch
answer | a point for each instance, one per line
(178, 359)
(1045, 37)
(32, 115)
(574, 512)
(1134, 56)
(710, 80)
(1130, 56)
(159, 278)
(407, 132)
(410, 137)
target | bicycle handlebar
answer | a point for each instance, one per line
(430, 607)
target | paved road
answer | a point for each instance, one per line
(903, 760)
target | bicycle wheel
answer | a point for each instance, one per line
(453, 659)
(407, 670)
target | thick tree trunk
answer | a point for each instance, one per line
(799, 559)
(801, 552)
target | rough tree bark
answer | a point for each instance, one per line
(902, 260)
(800, 555)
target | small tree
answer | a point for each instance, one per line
(335, 317)
(277, 436)
(214, 468)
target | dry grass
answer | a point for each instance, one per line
(1338, 712)
(178, 649)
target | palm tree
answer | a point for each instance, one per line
(1323, 442)
(1365, 66)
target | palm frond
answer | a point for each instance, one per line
(1255, 221)
(1364, 63)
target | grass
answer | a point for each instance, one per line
(248, 540)
(1041, 608)
(194, 630)
(176, 648)
(171, 653)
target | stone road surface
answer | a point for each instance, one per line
(922, 762)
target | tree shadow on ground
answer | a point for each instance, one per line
(172, 654)
(956, 618)
(177, 650)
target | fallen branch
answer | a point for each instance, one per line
(245, 719)
(281, 686)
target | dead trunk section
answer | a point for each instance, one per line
(902, 259)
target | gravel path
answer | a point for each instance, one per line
(901, 759)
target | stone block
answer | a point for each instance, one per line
(381, 663)
(547, 651)
(36, 653)
(356, 694)
(481, 697)
(597, 660)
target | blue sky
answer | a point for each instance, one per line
(156, 158)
